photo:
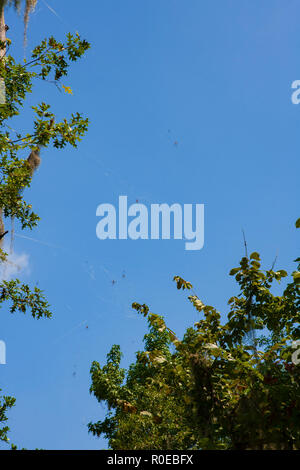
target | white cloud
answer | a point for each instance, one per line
(14, 265)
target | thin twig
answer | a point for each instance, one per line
(245, 243)
(274, 262)
(23, 138)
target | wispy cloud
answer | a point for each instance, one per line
(15, 264)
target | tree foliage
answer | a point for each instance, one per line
(50, 61)
(214, 388)
(5, 404)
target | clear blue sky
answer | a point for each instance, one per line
(215, 76)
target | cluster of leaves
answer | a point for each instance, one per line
(143, 413)
(15, 178)
(54, 57)
(212, 389)
(5, 404)
(22, 298)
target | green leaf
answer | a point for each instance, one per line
(282, 273)
(296, 276)
(234, 271)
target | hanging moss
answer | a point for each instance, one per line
(29, 6)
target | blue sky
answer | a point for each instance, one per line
(214, 76)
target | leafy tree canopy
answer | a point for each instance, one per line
(224, 385)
